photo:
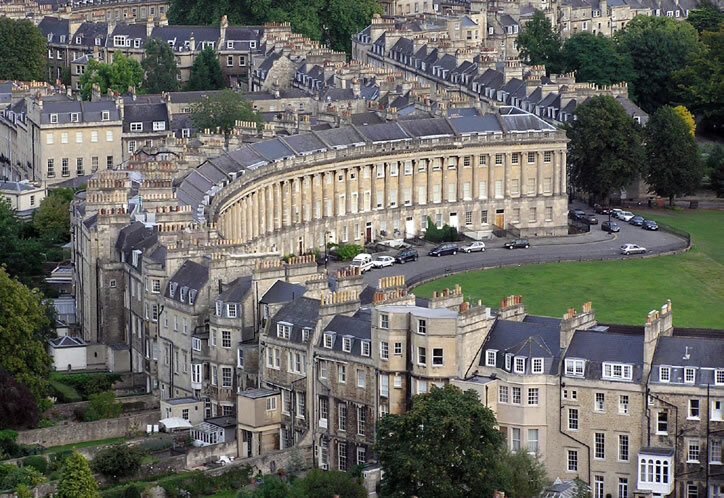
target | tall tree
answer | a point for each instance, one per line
(328, 484)
(222, 110)
(701, 82)
(24, 51)
(605, 151)
(707, 16)
(714, 162)
(206, 72)
(594, 59)
(160, 67)
(23, 319)
(538, 43)
(76, 479)
(687, 117)
(445, 445)
(673, 158)
(121, 74)
(22, 257)
(344, 18)
(52, 218)
(17, 404)
(525, 475)
(658, 47)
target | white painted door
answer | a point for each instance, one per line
(409, 227)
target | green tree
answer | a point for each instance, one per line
(344, 18)
(23, 316)
(120, 460)
(714, 162)
(21, 475)
(52, 218)
(272, 487)
(121, 74)
(76, 479)
(538, 43)
(160, 67)
(673, 158)
(701, 83)
(687, 117)
(18, 407)
(22, 257)
(525, 475)
(24, 51)
(321, 484)
(605, 151)
(445, 445)
(222, 110)
(658, 47)
(206, 72)
(103, 405)
(594, 59)
(706, 17)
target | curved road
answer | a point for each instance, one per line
(595, 245)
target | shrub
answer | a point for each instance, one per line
(18, 407)
(131, 492)
(347, 252)
(37, 462)
(21, 475)
(120, 460)
(58, 459)
(102, 406)
(76, 480)
(23, 491)
(88, 384)
(64, 392)
(8, 446)
(444, 234)
(154, 445)
(46, 422)
(54, 254)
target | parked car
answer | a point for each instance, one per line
(406, 255)
(615, 212)
(382, 261)
(590, 219)
(363, 261)
(650, 225)
(444, 249)
(600, 209)
(637, 221)
(475, 246)
(517, 244)
(610, 227)
(576, 214)
(632, 249)
(625, 216)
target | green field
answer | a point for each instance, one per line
(621, 291)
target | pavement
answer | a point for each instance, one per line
(595, 245)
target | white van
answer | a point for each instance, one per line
(363, 261)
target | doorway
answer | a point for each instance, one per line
(500, 218)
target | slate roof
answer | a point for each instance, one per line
(135, 236)
(532, 339)
(236, 290)
(54, 27)
(487, 123)
(703, 353)
(146, 113)
(17, 186)
(301, 313)
(426, 128)
(67, 342)
(597, 347)
(282, 292)
(384, 132)
(257, 393)
(88, 112)
(190, 275)
(358, 329)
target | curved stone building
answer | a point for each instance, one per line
(360, 184)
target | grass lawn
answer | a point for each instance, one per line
(621, 291)
(86, 444)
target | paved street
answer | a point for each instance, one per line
(595, 245)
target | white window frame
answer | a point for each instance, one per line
(491, 358)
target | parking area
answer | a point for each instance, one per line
(595, 245)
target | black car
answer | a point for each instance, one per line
(576, 214)
(610, 227)
(600, 209)
(650, 225)
(517, 244)
(444, 249)
(590, 219)
(406, 255)
(637, 221)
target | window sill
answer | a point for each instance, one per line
(661, 433)
(693, 418)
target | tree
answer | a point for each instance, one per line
(344, 18)
(52, 218)
(21, 257)
(605, 151)
(658, 47)
(673, 158)
(206, 72)
(594, 59)
(321, 484)
(24, 51)
(525, 475)
(272, 487)
(17, 404)
(222, 111)
(21, 475)
(23, 317)
(120, 460)
(538, 43)
(714, 163)
(160, 67)
(445, 445)
(103, 405)
(119, 76)
(706, 17)
(701, 83)
(688, 118)
(76, 479)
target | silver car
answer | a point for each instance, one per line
(632, 249)
(475, 246)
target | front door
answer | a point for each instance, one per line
(454, 220)
(409, 227)
(368, 232)
(500, 218)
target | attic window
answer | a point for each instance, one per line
(284, 330)
(159, 125)
(136, 252)
(519, 364)
(230, 44)
(616, 371)
(172, 289)
(574, 368)
(328, 341)
(98, 40)
(105, 116)
(346, 344)
(53, 118)
(137, 43)
(78, 40)
(366, 346)
(192, 296)
(306, 332)
(137, 126)
(664, 374)
(218, 308)
(231, 310)
(537, 365)
(184, 293)
(62, 38)
(490, 358)
(252, 44)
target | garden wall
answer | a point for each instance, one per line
(89, 431)
(205, 454)
(270, 462)
(130, 403)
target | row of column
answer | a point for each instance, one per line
(281, 204)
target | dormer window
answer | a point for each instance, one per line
(519, 364)
(664, 374)
(616, 371)
(574, 368)
(53, 118)
(346, 344)
(230, 45)
(491, 358)
(306, 332)
(537, 365)
(50, 36)
(184, 293)
(136, 126)
(366, 347)
(98, 40)
(62, 38)
(119, 41)
(192, 296)
(252, 44)
(719, 377)
(172, 289)
(231, 310)
(689, 375)
(508, 361)
(134, 257)
(328, 341)
(105, 116)
(284, 330)
(219, 306)
(78, 40)
(137, 43)
(159, 125)
(74, 117)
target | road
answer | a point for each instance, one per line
(595, 245)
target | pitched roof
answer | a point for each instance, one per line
(357, 329)
(532, 339)
(301, 313)
(191, 276)
(282, 292)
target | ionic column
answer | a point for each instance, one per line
(539, 171)
(564, 173)
(523, 177)
(507, 165)
(459, 167)
(475, 187)
(262, 210)
(491, 177)
(556, 165)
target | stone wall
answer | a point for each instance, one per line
(89, 431)
(205, 454)
(65, 410)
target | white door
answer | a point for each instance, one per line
(454, 220)
(409, 227)
(716, 410)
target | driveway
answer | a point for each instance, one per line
(592, 246)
